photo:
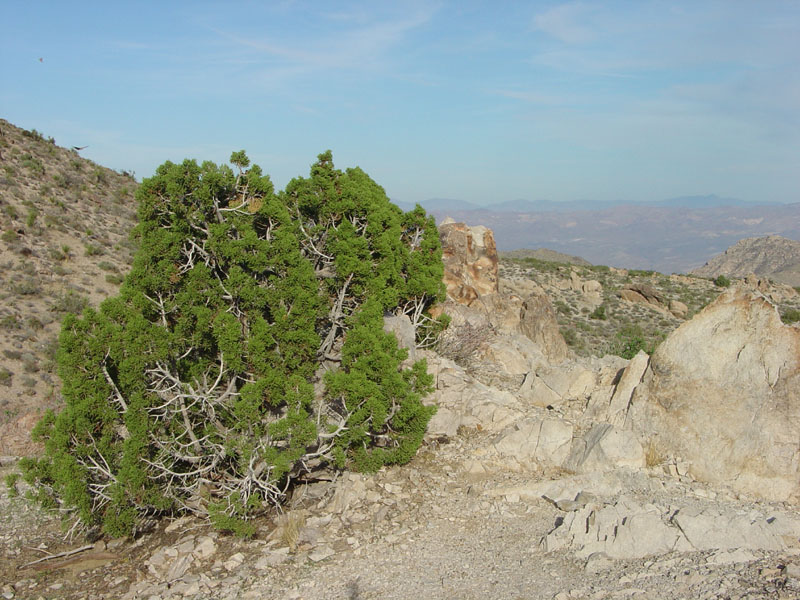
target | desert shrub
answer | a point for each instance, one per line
(722, 281)
(461, 344)
(56, 253)
(570, 336)
(33, 134)
(790, 315)
(5, 376)
(93, 250)
(114, 278)
(70, 302)
(33, 164)
(31, 219)
(599, 313)
(27, 287)
(632, 338)
(563, 308)
(246, 347)
(107, 266)
(65, 180)
(9, 322)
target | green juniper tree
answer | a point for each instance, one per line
(246, 347)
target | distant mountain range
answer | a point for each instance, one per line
(528, 206)
(671, 236)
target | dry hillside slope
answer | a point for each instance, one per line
(64, 244)
(772, 256)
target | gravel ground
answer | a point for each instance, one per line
(427, 530)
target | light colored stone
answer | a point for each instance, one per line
(404, 331)
(179, 567)
(571, 381)
(710, 529)
(539, 323)
(598, 562)
(205, 548)
(234, 561)
(631, 377)
(546, 441)
(536, 392)
(727, 557)
(603, 448)
(678, 309)
(623, 530)
(321, 553)
(273, 559)
(721, 392)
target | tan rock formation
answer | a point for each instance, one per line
(539, 323)
(723, 393)
(470, 261)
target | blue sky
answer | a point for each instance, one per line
(484, 102)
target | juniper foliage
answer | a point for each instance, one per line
(245, 348)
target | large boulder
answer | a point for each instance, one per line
(470, 261)
(722, 392)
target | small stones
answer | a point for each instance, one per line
(205, 548)
(598, 562)
(234, 562)
(321, 553)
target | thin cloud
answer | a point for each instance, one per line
(566, 23)
(363, 46)
(530, 97)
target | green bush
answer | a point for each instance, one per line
(599, 313)
(246, 347)
(631, 339)
(722, 281)
(70, 302)
(93, 250)
(790, 315)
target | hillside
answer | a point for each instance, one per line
(605, 310)
(64, 244)
(546, 255)
(774, 256)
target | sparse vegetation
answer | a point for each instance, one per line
(599, 313)
(627, 327)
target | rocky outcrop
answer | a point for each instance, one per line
(643, 294)
(723, 393)
(539, 323)
(475, 299)
(626, 529)
(470, 261)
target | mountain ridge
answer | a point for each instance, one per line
(774, 256)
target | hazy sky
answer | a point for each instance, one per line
(479, 101)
